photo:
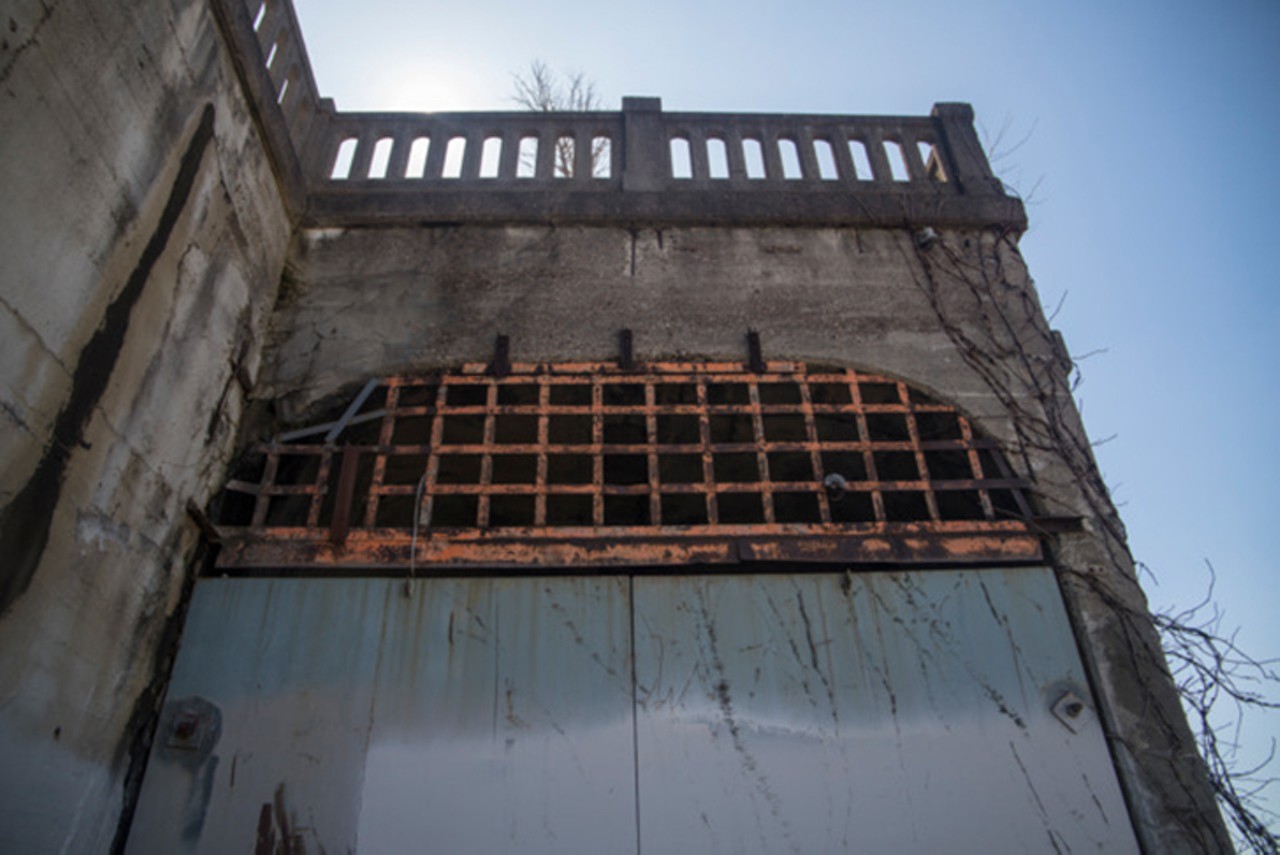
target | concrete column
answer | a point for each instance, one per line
(320, 148)
(645, 152)
(966, 163)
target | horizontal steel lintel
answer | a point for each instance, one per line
(391, 550)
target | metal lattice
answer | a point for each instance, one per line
(566, 463)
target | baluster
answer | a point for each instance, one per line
(733, 152)
(698, 165)
(401, 140)
(287, 95)
(509, 160)
(436, 150)
(282, 64)
(772, 160)
(911, 154)
(251, 8)
(873, 142)
(844, 161)
(272, 24)
(472, 154)
(808, 157)
(364, 155)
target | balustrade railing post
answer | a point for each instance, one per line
(645, 148)
(966, 163)
(319, 149)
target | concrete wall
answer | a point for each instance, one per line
(956, 315)
(142, 237)
(365, 302)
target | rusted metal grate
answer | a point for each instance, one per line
(556, 464)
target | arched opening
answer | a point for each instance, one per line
(561, 465)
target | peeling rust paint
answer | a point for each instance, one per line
(390, 550)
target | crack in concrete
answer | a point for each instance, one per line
(35, 333)
(28, 42)
(16, 418)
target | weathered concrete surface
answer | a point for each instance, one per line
(142, 235)
(364, 302)
(955, 314)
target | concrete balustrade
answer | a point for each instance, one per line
(352, 168)
(347, 150)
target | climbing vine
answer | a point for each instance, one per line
(977, 287)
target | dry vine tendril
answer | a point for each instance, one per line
(1012, 348)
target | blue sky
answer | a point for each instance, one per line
(1151, 133)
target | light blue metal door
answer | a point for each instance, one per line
(474, 716)
(807, 712)
(879, 712)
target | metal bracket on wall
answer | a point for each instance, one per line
(501, 364)
(755, 357)
(626, 351)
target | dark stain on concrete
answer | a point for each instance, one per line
(25, 522)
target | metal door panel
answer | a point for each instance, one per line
(875, 712)
(506, 726)
(277, 675)
(476, 715)
(769, 713)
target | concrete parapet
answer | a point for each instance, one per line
(640, 165)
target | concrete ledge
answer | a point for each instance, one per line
(364, 205)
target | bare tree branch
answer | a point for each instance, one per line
(1210, 671)
(544, 91)
(1000, 152)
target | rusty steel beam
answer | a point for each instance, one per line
(390, 549)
